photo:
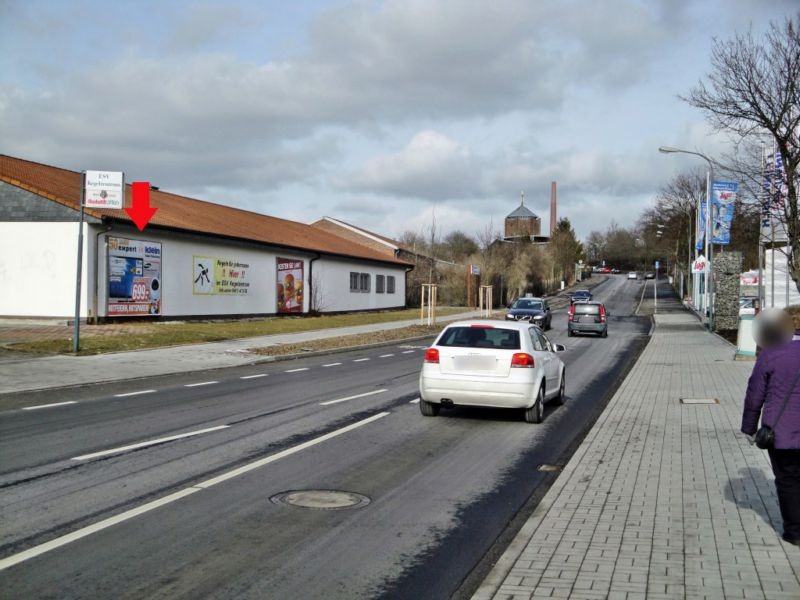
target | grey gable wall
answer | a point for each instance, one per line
(20, 205)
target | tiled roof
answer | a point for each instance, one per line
(186, 214)
(521, 211)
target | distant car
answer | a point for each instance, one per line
(615, 271)
(580, 296)
(633, 275)
(605, 270)
(587, 317)
(649, 275)
(492, 363)
(535, 310)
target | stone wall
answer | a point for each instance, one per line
(727, 268)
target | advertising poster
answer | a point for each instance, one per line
(289, 285)
(723, 199)
(220, 276)
(134, 278)
(701, 228)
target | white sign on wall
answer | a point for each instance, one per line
(104, 189)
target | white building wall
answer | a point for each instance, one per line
(332, 277)
(38, 269)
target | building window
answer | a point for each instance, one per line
(390, 284)
(379, 284)
(354, 282)
(364, 282)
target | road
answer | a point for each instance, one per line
(166, 487)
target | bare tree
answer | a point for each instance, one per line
(754, 88)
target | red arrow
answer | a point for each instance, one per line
(141, 212)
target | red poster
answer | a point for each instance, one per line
(290, 285)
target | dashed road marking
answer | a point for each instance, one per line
(332, 365)
(200, 384)
(170, 438)
(385, 355)
(364, 395)
(360, 359)
(139, 393)
(406, 352)
(49, 405)
(415, 401)
(296, 370)
(253, 376)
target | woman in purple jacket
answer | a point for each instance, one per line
(774, 374)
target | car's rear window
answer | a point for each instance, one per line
(587, 309)
(479, 337)
(528, 304)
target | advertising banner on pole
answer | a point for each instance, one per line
(214, 276)
(289, 285)
(701, 234)
(723, 200)
(700, 264)
(134, 278)
(104, 189)
(775, 190)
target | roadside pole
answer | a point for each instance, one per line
(77, 325)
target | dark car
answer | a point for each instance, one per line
(587, 317)
(535, 310)
(580, 296)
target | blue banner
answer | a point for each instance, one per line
(701, 233)
(723, 200)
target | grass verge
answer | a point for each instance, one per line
(159, 335)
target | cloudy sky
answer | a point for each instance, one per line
(377, 113)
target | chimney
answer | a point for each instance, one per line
(552, 207)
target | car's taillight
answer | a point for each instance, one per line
(521, 359)
(572, 312)
(432, 355)
(602, 314)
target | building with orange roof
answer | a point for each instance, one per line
(194, 259)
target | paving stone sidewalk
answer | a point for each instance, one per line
(662, 499)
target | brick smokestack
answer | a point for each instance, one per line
(553, 202)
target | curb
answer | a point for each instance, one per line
(297, 356)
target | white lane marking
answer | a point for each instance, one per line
(49, 405)
(385, 355)
(15, 559)
(364, 395)
(406, 352)
(288, 452)
(253, 376)
(201, 383)
(296, 370)
(360, 359)
(415, 401)
(148, 443)
(139, 393)
(332, 365)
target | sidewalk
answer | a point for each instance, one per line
(662, 499)
(39, 373)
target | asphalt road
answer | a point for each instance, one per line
(96, 503)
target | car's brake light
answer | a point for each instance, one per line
(521, 359)
(481, 326)
(571, 312)
(432, 355)
(602, 314)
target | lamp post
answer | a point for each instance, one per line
(709, 247)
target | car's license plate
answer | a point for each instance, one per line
(474, 363)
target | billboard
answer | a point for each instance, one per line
(723, 200)
(213, 276)
(133, 272)
(289, 288)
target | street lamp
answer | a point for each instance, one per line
(709, 248)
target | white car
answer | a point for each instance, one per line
(492, 363)
(633, 275)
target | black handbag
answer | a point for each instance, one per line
(765, 436)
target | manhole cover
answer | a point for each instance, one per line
(321, 499)
(699, 401)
